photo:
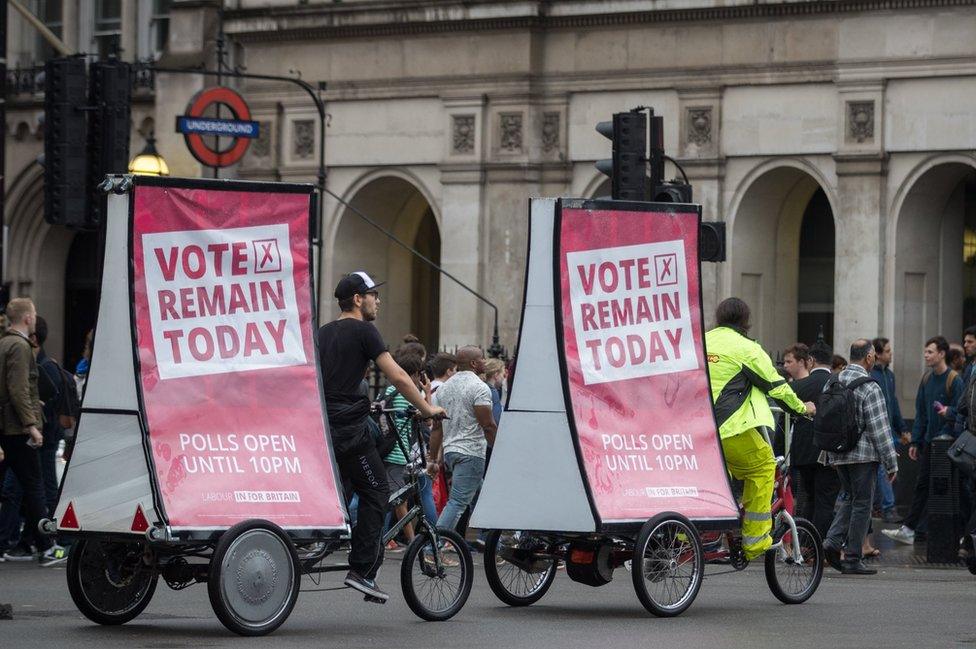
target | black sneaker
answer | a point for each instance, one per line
(365, 586)
(19, 553)
(833, 557)
(856, 567)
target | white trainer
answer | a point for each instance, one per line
(903, 534)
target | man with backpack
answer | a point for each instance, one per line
(939, 391)
(852, 429)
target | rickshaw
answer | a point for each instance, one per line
(598, 467)
(215, 469)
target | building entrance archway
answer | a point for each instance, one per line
(935, 267)
(782, 257)
(410, 300)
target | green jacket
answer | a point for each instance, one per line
(21, 405)
(742, 374)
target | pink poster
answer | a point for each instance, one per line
(227, 364)
(637, 378)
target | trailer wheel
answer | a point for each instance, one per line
(253, 580)
(668, 564)
(110, 581)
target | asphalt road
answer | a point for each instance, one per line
(902, 606)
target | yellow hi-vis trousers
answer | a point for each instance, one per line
(750, 458)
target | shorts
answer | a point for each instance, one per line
(395, 476)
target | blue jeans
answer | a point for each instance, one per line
(427, 498)
(885, 493)
(467, 473)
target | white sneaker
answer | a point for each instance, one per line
(903, 534)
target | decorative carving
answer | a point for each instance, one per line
(303, 139)
(860, 121)
(463, 134)
(511, 132)
(700, 125)
(550, 132)
(261, 147)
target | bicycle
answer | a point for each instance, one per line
(435, 585)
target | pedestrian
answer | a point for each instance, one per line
(442, 367)
(837, 364)
(966, 421)
(858, 467)
(495, 378)
(465, 435)
(969, 346)
(901, 436)
(820, 483)
(400, 456)
(346, 346)
(21, 418)
(956, 358)
(796, 361)
(941, 386)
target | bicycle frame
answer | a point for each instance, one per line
(412, 487)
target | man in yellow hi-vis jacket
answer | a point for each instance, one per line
(742, 375)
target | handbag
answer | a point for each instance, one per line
(963, 454)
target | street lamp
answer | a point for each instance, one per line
(149, 162)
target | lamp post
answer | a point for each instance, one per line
(149, 162)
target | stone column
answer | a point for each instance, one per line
(462, 177)
(699, 154)
(859, 214)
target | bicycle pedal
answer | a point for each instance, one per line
(374, 600)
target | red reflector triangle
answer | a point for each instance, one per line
(69, 521)
(139, 522)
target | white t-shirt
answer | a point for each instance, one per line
(458, 396)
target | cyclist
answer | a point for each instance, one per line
(346, 346)
(742, 375)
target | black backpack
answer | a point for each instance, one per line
(835, 426)
(63, 395)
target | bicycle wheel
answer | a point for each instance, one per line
(514, 575)
(793, 580)
(253, 582)
(109, 581)
(668, 564)
(436, 584)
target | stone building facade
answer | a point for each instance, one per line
(835, 139)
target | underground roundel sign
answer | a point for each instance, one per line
(235, 134)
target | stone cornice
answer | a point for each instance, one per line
(306, 22)
(645, 80)
(857, 164)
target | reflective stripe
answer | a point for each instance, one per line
(754, 540)
(759, 381)
(758, 516)
(732, 397)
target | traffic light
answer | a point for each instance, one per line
(672, 192)
(711, 241)
(65, 141)
(627, 168)
(109, 95)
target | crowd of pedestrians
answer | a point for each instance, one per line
(843, 492)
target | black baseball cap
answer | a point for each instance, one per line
(358, 283)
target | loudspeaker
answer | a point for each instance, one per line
(110, 94)
(65, 139)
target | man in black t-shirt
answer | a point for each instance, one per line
(346, 346)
